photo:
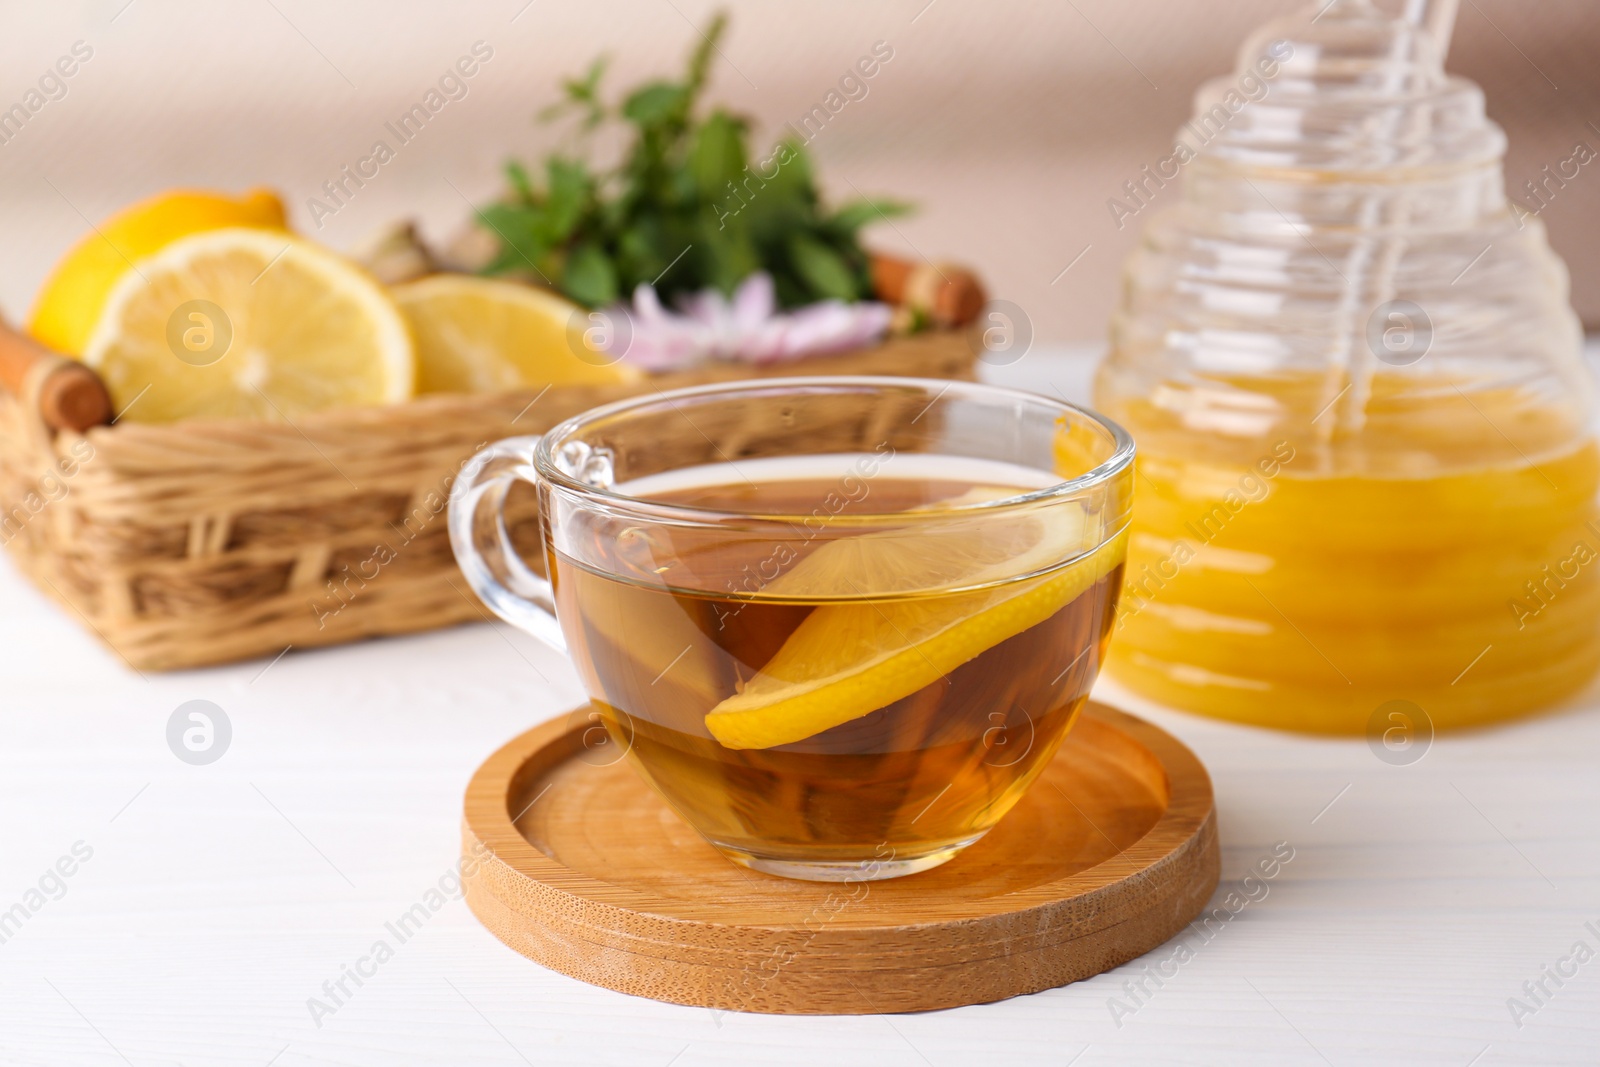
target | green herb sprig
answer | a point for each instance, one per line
(686, 210)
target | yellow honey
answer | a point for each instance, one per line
(1447, 554)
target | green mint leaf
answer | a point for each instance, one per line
(586, 90)
(655, 104)
(521, 184)
(589, 277)
(790, 167)
(521, 232)
(700, 58)
(726, 257)
(639, 254)
(568, 196)
(859, 213)
(718, 157)
(821, 268)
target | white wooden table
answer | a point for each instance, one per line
(219, 899)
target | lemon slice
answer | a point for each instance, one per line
(72, 298)
(948, 556)
(847, 660)
(247, 323)
(477, 335)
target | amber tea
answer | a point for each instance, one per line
(853, 685)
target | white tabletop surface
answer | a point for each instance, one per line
(218, 899)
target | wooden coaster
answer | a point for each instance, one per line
(1111, 853)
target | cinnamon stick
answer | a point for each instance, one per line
(70, 395)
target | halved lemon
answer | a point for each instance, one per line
(248, 323)
(72, 298)
(944, 601)
(478, 335)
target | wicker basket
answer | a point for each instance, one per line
(205, 542)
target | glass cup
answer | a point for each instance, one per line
(840, 624)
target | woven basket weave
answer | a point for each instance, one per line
(204, 542)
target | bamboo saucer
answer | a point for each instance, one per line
(1110, 854)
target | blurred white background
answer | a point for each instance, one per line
(1008, 122)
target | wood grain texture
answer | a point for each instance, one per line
(582, 867)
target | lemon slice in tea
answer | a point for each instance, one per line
(248, 323)
(849, 659)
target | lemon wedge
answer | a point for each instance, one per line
(851, 658)
(248, 323)
(477, 335)
(72, 298)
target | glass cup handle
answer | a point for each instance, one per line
(496, 573)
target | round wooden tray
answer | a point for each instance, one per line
(577, 863)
